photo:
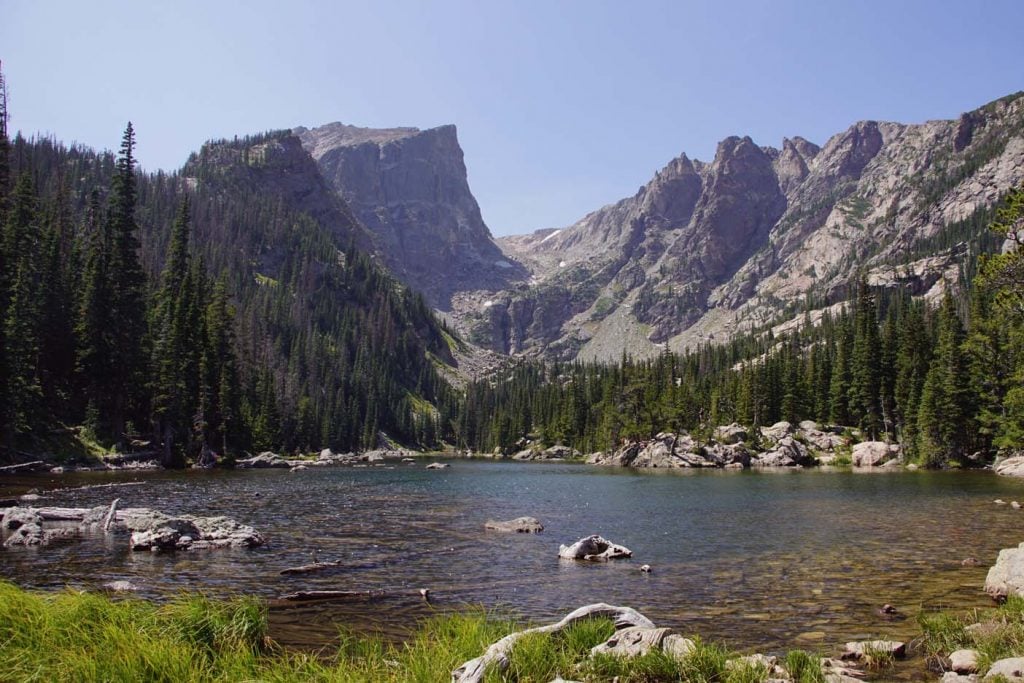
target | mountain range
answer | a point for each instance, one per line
(704, 251)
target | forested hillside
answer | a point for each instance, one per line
(200, 310)
(946, 382)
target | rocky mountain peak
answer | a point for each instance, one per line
(409, 188)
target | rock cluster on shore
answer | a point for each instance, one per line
(731, 447)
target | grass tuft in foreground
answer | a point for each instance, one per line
(996, 633)
(72, 636)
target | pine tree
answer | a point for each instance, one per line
(839, 385)
(172, 329)
(945, 418)
(21, 394)
(865, 364)
(94, 326)
(127, 295)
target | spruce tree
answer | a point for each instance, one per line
(945, 417)
(865, 364)
(128, 291)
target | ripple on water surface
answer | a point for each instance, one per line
(764, 560)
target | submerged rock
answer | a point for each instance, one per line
(593, 548)
(522, 525)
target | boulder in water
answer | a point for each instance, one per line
(593, 548)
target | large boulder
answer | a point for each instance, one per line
(788, 452)
(1011, 467)
(777, 431)
(16, 517)
(728, 455)
(29, 533)
(731, 433)
(559, 453)
(1011, 669)
(593, 548)
(872, 453)
(1006, 577)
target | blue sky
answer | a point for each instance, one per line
(561, 106)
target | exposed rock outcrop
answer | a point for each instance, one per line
(705, 251)
(1011, 467)
(409, 188)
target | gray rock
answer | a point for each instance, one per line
(871, 454)
(593, 548)
(731, 433)
(954, 677)
(777, 431)
(1006, 576)
(27, 534)
(964, 661)
(437, 466)
(788, 452)
(1011, 467)
(15, 517)
(522, 525)
(156, 531)
(1011, 668)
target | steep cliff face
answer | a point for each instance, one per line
(706, 251)
(409, 189)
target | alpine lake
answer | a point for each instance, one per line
(762, 561)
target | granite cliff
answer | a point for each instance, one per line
(409, 188)
(708, 250)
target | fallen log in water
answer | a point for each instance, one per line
(34, 466)
(304, 596)
(62, 514)
(310, 568)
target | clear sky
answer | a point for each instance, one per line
(561, 106)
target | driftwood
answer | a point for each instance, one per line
(34, 466)
(111, 516)
(62, 514)
(310, 568)
(303, 596)
(100, 486)
(498, 653)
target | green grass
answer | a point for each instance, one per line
(1001, 636)
(73, 636)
